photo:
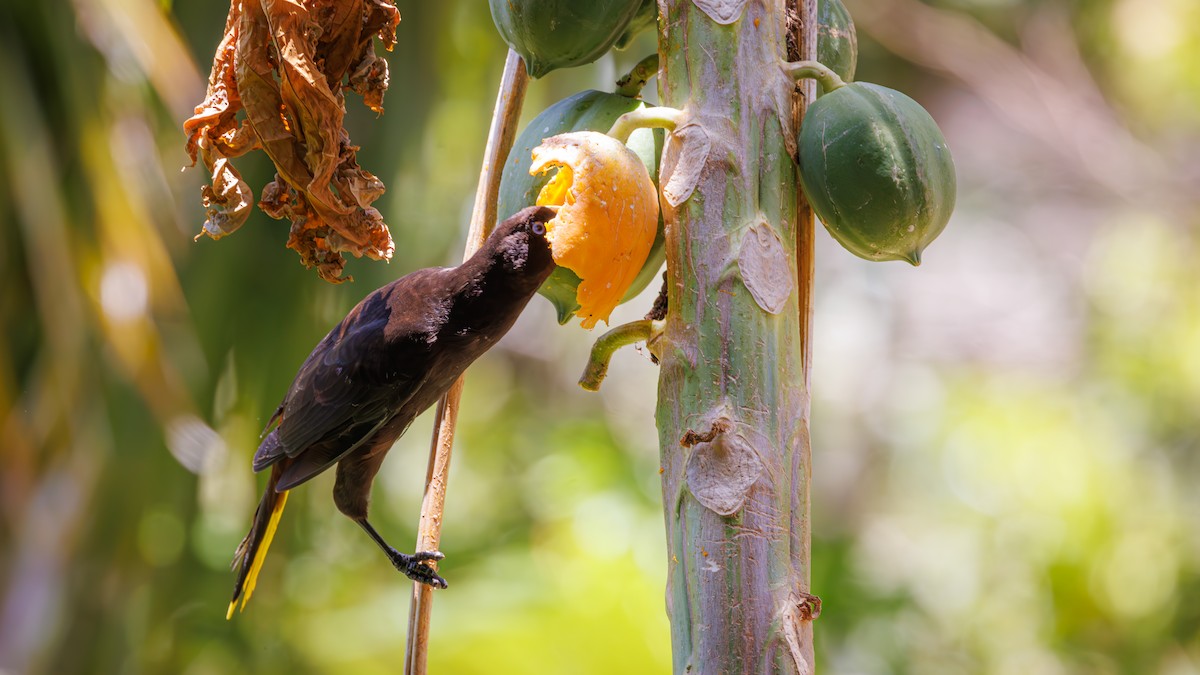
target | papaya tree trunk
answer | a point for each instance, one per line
(733, 390)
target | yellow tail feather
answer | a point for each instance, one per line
(260, 554)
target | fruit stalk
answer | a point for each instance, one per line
(659, 117)
(733, 395)
(828, 79)
(632, 83)
(602, 351)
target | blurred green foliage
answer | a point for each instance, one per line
(1005, 440)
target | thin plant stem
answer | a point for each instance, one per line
(503, 131)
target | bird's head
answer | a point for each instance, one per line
(520, 241)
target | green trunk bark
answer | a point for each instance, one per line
(733, 398)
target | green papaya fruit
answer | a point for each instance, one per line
(551, 34)
(586, 111)
(837, 41)
(647, 15)
(877, 171)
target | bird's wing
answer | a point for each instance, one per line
(322, 455)
(355, 380)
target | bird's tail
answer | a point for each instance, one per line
(252, 551)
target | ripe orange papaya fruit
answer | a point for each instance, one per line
(586, 111)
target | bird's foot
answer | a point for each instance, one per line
(414, 567)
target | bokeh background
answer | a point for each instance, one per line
(1006, 444)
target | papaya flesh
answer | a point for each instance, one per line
(877, 171)
(586, 111)
(607, 217)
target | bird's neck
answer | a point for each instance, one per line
(491, 291)
(488, 273)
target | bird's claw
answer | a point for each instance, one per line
(414, 568)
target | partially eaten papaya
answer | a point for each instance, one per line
(607, 218)
(585, 111)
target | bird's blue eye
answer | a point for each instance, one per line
(538, 228)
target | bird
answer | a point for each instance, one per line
(393, 355)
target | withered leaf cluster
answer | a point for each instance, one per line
(277, 84)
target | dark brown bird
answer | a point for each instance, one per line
(392, 357)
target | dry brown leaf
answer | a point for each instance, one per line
(277, 83)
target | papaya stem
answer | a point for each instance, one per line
(659, 117)
(635, 80)
(602, 352)
(828, 79)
